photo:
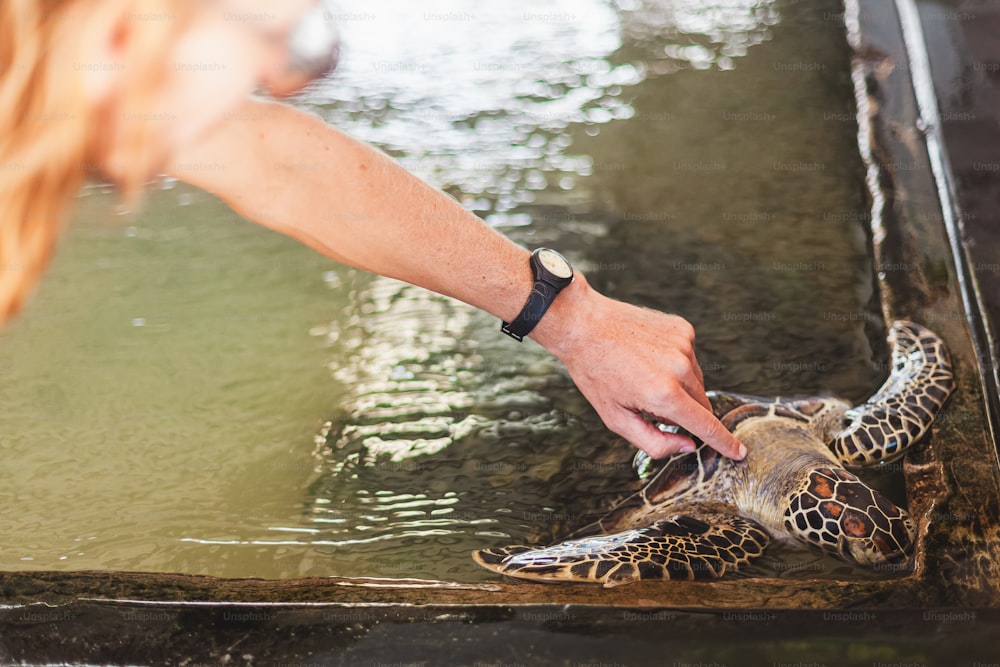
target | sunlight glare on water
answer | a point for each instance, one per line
(478, 97)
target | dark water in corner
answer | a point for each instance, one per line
(191, 393)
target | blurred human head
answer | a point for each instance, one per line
(113, 88)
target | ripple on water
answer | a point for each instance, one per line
(489, 117)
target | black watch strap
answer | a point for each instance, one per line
(548, 283)
(541, 297)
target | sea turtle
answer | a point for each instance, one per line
(701, 515)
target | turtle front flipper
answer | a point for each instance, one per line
(697, 542)
(902, 410)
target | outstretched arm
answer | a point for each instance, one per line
(291, 172)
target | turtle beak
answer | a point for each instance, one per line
(883, 551)
(312, 51)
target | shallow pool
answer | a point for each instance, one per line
(188, 392)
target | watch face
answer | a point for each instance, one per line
(555, 263)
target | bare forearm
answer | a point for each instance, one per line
(289, 171)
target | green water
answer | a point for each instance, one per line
(189, 392)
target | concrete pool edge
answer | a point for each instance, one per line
(104, 633)
(926, 275)
(952, 570)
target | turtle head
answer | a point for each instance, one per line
(836, 511)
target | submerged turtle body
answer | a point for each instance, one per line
(701, 515)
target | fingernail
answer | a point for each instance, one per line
(743, 451)
(687, 449)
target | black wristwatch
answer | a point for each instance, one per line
(552, 273)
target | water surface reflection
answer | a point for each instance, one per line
(478, 98)
(229, 403)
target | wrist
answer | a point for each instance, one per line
(564, 324)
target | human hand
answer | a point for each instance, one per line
(628, 361)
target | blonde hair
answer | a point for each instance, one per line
(49, 134)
